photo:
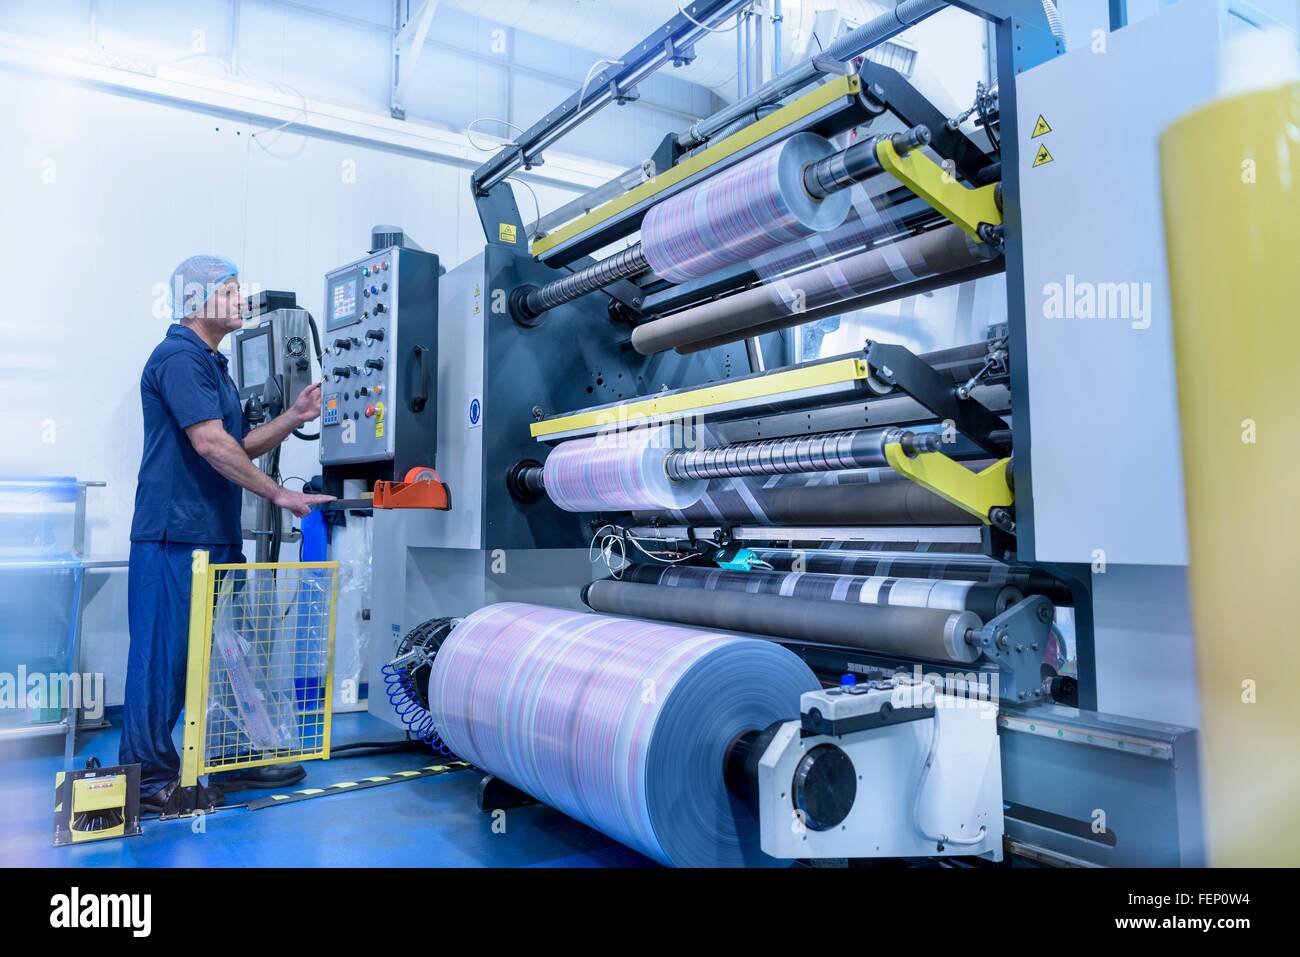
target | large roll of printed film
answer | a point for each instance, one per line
(623, 725)
(617, 471)
(757, 206)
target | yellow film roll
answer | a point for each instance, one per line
(1231, 184)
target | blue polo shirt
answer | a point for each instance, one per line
(179, 497)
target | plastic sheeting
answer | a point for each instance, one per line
(253, 668)
(805, 500)
(785, 302)
(623, 725)
(951, 567)
(351, 547)
(754, 208)
(37, 517)
(617, 471)
(40, 596)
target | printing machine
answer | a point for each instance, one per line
(979, 462)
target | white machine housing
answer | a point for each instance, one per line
(961, 794)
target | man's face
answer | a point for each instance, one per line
(222, 310)
(228, 304)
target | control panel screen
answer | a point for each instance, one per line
(343, 301)
(254, 359)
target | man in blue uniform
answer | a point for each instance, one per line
(198, 455)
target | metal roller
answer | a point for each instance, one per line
(775, 305)
(987, 600)
(932, 633)
(888, 503)
(858, 162)
(828, 452)
(679, 472)
(527, 303)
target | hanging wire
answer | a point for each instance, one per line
(537, 205)
(615, 538)
(705, 26)
(603, 61)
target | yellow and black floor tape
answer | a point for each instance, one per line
(378, 780)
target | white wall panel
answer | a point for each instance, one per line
(103, 196)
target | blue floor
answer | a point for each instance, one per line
(429, 822)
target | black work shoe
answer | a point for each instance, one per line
(276, 776)
(173, 800)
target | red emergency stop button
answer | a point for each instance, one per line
(370, 410)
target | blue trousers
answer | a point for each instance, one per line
(158, 612)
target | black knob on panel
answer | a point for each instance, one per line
(374, 363)
(379, 307)
(342, 343)
(344, 371)
(376, 334)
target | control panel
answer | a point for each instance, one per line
(272, 365)
(380, 366)
(273, 362)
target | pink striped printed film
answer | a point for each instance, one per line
(617, 471)
(620, 723)
(753, 208)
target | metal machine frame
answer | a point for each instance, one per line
(569, 316)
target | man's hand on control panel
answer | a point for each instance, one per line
(307, 406)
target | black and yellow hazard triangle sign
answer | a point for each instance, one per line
(1041, 128)
(1043, 157)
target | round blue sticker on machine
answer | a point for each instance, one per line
(475, 412)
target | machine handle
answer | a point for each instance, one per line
(272, 396)
(420, 391)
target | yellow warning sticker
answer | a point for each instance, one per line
(506, 232)
(379, 428)
(1041, 128)
(1043, 156)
